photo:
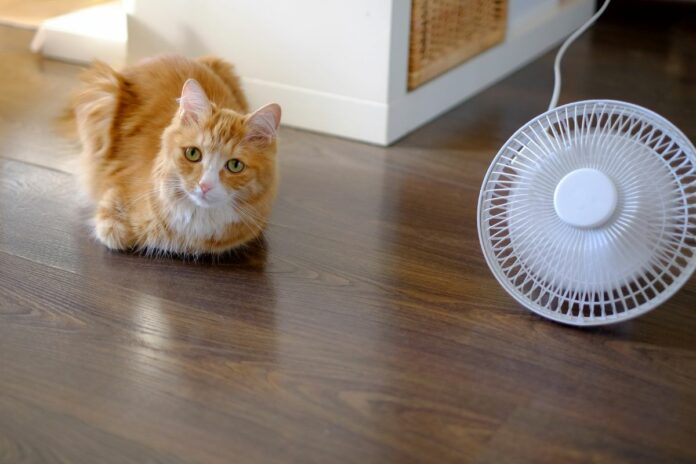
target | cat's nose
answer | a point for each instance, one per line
(205, 188)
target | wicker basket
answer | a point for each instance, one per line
(445, 33)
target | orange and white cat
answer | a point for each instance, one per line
(171, 157)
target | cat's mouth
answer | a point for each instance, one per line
(201, 200)
(206, 200)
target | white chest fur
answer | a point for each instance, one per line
(195, 222)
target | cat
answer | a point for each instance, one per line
(171, 158)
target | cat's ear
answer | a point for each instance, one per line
(193, 104)
(263, 124)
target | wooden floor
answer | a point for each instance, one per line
(367, 329)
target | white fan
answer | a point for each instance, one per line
(587, 214)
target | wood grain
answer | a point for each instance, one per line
(364, 328)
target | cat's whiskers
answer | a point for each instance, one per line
(153, 190)
(248, 218)
(143, 195)
(260, 216)
(248, 211)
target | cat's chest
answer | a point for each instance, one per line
(201, 223)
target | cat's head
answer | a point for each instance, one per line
(218, 157)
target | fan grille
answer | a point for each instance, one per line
(629, 265)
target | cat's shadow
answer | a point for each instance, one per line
(251, 256)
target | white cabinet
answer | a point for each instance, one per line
(339, 66)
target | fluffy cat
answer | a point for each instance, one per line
(171, 157)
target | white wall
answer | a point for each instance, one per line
(339, 47)
(521, 10)
(340, 66)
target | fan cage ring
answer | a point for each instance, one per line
(592, 133)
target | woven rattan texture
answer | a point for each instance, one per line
(445, 33)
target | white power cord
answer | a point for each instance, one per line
(559, 56)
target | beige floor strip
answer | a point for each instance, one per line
(30, 13)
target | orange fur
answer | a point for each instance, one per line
(134, 133)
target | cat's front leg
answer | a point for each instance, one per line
(111, 225)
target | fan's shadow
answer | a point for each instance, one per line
(670, 325)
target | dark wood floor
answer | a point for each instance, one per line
(367, 329)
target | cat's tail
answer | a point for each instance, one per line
(91, 113)
(90, 118)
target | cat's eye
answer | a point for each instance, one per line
(235, 166)
(193, 154)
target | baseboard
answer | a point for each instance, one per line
(322, 112)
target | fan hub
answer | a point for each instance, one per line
(585, 198)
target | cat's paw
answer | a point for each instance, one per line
(112, 233)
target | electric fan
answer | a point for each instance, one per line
(587, 214)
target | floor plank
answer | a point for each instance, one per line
(365, 327)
